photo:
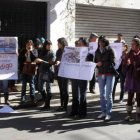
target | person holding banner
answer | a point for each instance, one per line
(105, 59)
(79, 89)
(131, 67)
(4, 84)
(121, 75)
(29, 55)
(62, 82)
(93, 38)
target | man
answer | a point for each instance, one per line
(119, 38)
(93, 38)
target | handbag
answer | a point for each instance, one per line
(30, 68)
(48, 76)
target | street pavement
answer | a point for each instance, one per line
(30, 123)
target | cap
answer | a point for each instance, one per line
(93, 35)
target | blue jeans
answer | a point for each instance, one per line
(106, 86)
(4, 84)
(31, 80)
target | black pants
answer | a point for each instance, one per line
(63, 87)
(92, 83)
(79, 88)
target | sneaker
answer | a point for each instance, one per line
(108, 118)
(121, 101)
(102, 115)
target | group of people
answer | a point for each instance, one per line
(48, 64)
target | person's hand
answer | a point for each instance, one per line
(51, 62)
(128, 62)
(57, 63)
(38, 60)
(99, 64)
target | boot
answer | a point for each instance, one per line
(129, 113)
(43, 98)
(6, 97)
(137, 114)
(47, 103)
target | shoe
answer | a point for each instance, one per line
(92, 91)
(108, 118)
(61, 109)
(14, 89)
(121, 101)
(45, 108)
(102, 115)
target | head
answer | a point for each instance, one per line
(119, 36)
(103, 42)
(76, 43)
(135, 45)
(83, 42)
(29, 45)
(62, 42)
(136, 36)
(93, 37)
(48, 45)
(125, 47)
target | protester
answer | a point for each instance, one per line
(28, 55)
(79, 88)
(119, 38)
(4, 84)
(131, 66)
(46, 68)
(121, 75)
(62, 82)
(105, 59)
(93, 38)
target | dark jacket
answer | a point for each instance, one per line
(45, 66)
(59, 54)
(107, 57)
(22, 58)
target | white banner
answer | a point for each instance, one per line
(117, 47)
(74, 66)
(8, 58)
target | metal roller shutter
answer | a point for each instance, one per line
(107, 21)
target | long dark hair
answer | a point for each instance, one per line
(43, 50)
(63, 42)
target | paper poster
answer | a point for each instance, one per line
(8, 58)
(93, 47)
(7, 109)
(74, 66)
(117, 47)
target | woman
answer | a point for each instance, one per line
(45, 57)
(121, 75)
(131, 66)
(28, 55)
(105, 59)
(79, 90)
(62, 82)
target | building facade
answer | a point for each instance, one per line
(72, 19)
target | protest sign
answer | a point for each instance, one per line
(117, 47)
(93, 47)
(8, 58)
(74, 66)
